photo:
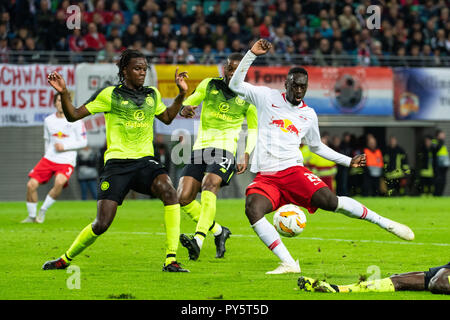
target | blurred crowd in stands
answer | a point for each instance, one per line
(321, 32)
(389, 170)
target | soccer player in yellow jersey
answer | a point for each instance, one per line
(129, 110)
(213, 162)
(436, 280)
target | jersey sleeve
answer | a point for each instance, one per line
(312, 137)
(100, 101)
(160, 106)
(313, 141)
(251, 93)
(252, 125)
(198, 95)
(79, 137)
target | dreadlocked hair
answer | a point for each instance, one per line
(125, 59)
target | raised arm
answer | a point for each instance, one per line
(71, 113)
(192, 102)
(171, 112)
(250, 92)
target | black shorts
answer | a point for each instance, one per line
(213, 160)
(432, 272)
(120, 175)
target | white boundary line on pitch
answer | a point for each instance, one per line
(299, 238)
(309, 238)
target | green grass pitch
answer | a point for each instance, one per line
(126, 261)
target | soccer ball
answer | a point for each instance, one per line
(289, 220)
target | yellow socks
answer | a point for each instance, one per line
(216, 228)
(193, 210)
(207, 215)
(84, 239)
(380, 285)
(172, 225)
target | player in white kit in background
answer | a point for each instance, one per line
(285, 122)
(62, 140)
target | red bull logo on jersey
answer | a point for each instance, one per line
(60, 135)
(285, 125)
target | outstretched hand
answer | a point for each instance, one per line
(180, 80)
(56, 81)
(188, 111)
(262, 46)
(358, 161)
(243, 163)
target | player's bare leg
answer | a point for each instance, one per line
(440, 283)
(163, 188)
(410, 281)
(325, 199)
(53, 194)
(60, 181)
(106, 212)
(187, 191)
(256, 207)
(32, 186)
(32, 200)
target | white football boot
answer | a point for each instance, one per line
(400, 230)
(29, 220)
(40, 217)
(286, 268)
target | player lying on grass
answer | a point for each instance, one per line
(436, 280)
(284, 123)
(213, 156)
(62, 140)
(129, 109)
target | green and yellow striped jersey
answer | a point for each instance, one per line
(223, 113)
(129, 116)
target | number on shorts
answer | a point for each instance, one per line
(226, 163)
(313, 178)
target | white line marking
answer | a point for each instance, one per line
(299, 238)
(309, 238)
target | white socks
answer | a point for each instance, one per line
(47, 203)
(199, 241)
(267, 233)
(218, 231)
(32, 208)
(352, 208)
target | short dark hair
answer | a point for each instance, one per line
(56, 97)
(125, 58)
(236, 56)
(298, 70)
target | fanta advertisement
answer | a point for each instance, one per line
(333, 90)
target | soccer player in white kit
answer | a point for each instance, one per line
(285, 122)
(62, 139)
